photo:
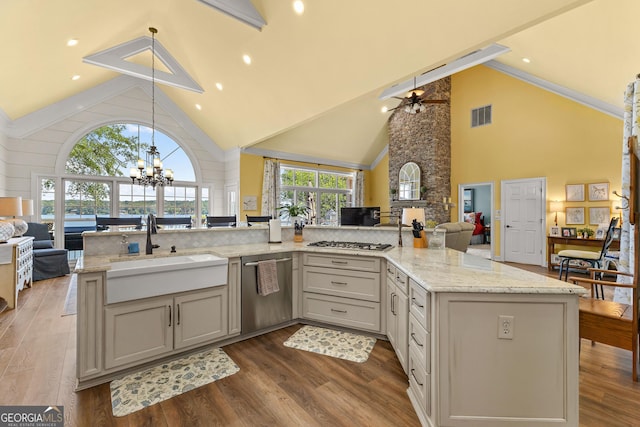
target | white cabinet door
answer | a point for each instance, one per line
(392, 317)
(138, 330)
(200, 317)
(401, 307)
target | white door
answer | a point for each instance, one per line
(522, 220)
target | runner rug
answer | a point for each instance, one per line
(141, 389)
(343, 345)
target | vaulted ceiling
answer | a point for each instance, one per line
(313, 85)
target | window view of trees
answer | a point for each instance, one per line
(109, 152)
(322, 192)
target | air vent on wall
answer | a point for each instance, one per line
(481, 116)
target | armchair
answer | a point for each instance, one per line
(48, 261)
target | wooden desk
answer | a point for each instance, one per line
(558, 240)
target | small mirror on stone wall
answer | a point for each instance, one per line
(409, 182)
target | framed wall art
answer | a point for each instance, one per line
(599, 216)
(598, 191)
(575, 215)
(575, 192)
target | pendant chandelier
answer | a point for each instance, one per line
(149, 171)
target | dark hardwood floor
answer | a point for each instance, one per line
(276, 385)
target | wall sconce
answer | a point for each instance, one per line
(555, 207)
(447, 203)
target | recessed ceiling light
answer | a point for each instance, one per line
(219, 86)
(527, 60)
(76, 77)
(198, 107)
(246, 59)
(384, 109)
(72, 42)
(298, 6)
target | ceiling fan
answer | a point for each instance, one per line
(415, 102)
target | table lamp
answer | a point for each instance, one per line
(555, 207)
(408, 215)
(12, 207)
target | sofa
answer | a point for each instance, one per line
(48, 261)
(458, 234)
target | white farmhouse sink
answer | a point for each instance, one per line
(149, 277)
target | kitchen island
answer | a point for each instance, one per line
(465, 365)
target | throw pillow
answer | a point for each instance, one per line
(478, 220)
(470, 217)
(42, 244)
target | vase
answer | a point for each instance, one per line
(6, 231)
(20, 227)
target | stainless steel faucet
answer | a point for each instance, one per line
(152, 228)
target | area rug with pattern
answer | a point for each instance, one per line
(141, 389)
(343, 345)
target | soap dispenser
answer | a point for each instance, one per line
(124, 245)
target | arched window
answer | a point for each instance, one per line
(97, 180)
(111, 150)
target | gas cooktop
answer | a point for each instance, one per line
(352, 245)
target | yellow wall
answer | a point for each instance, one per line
(534, 133)
(378, 185)
(251, 172)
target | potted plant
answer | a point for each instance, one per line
(294, 211)
(586, 232)
(392, 192)
(423, 192)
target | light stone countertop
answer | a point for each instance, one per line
(437, 270)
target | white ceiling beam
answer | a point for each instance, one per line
(242, 10)
(115, 58)
(478, 57)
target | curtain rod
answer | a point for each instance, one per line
(310, 163)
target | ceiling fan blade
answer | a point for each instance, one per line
(435, 101)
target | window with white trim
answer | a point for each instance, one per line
(323, 192)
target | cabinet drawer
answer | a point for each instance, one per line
(402, 281)
(346, 262)
(391, 272)
(342, 283)
(363, 315)
(420, 342)
(419, 382)
(419, 304)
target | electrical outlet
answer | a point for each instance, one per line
(505, 327)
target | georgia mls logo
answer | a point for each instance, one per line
(31, 416)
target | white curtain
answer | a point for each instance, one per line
(358, 193)
(631, 128)
(270, 188)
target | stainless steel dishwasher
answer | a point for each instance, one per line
(261, 312)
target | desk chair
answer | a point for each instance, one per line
(251, 219)
(221, 221)
(103, 222)
(175, 221)
(595, 259)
